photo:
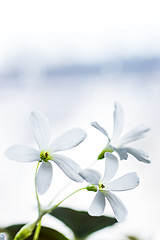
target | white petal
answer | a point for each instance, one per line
(139, 154)
(97, 126)
(41, 129)
(22, 153)
(90, 175)
(118, 207)
(97, 205)
(118, 123)
(122, 152)
(44, 177)
(68, 140)
(68, 166)
(111, 166)
(133, 135)
(126, 182)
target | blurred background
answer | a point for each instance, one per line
(72, 60)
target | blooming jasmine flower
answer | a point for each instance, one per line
(47, 151)
(118, 143)
(104, 187)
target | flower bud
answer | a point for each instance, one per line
(92, 188)
(25, 231)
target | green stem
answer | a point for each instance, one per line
(37, 231)
(66, 198)
(68, 184)
(27, 229)
(38, 228)
(43, 212)
(48, 210)
(37, 197)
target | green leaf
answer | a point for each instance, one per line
(81, 223)
(45, 233)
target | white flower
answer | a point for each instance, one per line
(118, 143)
(46, 152)
(105, 186)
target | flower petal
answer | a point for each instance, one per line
(102, 130)
(118, 207)
(118, 123)
(90, 175)
(44, 177)
(111, 166)
(22, 153)
(139, 154)
(69, 139)
(41, 129)
(133, 135)
(126, 182)
(122, 152)
(68, 166)
(98, 205)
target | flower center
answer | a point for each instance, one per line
(101, 186)
(45, 156)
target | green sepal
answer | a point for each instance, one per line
(101, 155)
(92, 188)
(108, 148)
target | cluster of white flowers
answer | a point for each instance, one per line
(47, 153)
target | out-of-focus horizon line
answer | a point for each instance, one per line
(134, 66)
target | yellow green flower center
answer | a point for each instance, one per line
(44, 156)
(101, 186)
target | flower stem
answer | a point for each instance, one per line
(27, 229)
(37, 197)
(38, 228)
(37, 231)
(61, 190)
(55, 206)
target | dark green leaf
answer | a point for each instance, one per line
(45, 233)
(81, 223)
